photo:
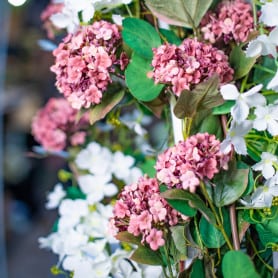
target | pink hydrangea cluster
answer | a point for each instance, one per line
(141, 211)
(55, 125)
(189, 64)
(52, 8)
(84, 61)
(188, 162)
(232, 21)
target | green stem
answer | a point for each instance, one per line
(168, 262)
(257, 254)
(129, 11)
(233, 221)
(218, 220)
(137, 8)
(264, 69)
(254, 14)
(186, 127)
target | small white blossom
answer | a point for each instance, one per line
(235, 138)
(273, 84)
(121, 165)
(244, 101)
(97, 187)
(55, 197)
(266, 165)
(269, 13)
(71, 211)
(264, 45)
(117, 19)
(262, 197)
(96, 159)
(267, 119)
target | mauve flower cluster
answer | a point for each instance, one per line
(141, 211)
(232, 21)
(55, 125)
(189, 64)
(188, 162)
(84, 61)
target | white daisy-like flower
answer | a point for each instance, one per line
(244, 101)
(266, 165)
(267, 119)
(261, 198)
(264, 45)
(235, 138)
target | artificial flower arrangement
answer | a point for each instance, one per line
(196, 197)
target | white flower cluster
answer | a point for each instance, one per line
(82, 237)
(102, 165)
(68, 17)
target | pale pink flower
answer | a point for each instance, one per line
(231, 21)
(155, 239)
(188, 162)
(84, 62)
(55, 126)
(141, 210)
(186, 65)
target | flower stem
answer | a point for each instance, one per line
(233, 221)
(218, 220)
(168, 262)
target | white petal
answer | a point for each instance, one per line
(240, 111)
(254, 48)
(110, 190)
(268, 171)
(60, 20)
(88, 13)
(260, 124)
(242, 128)
(274, 190)
(269, 14)
(226, 146)
(229, 92)
(268, 199)
(253, 90)
(272, 127)
(273, 84)
(273, 36)
(239, 145)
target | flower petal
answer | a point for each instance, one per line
(229, 92)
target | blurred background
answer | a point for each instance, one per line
(25, 85)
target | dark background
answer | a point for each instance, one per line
(25, 85)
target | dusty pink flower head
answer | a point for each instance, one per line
(141, 211)
(54, 126)
(51, 8)
(84, 61)
(189, 161)
(186, 65)
(232, 21)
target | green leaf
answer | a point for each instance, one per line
(178, 236)
(251, 182)
(242, 225)
(140, 86)
(229, 186)
(187, 13)
(265, 235)
(197, 270)
(205, 96)
(73, 192)
(108, 102)
(140, 36)
(261, 76)
(129, 238)
(193, 200)
(237, 264)
(144, 255)
(148, 167)
(272, 226)
(224, 108)
(156, 106)
(170, 36)
(206, 122)
(240, 63)
(181, 206)
(211, 236)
